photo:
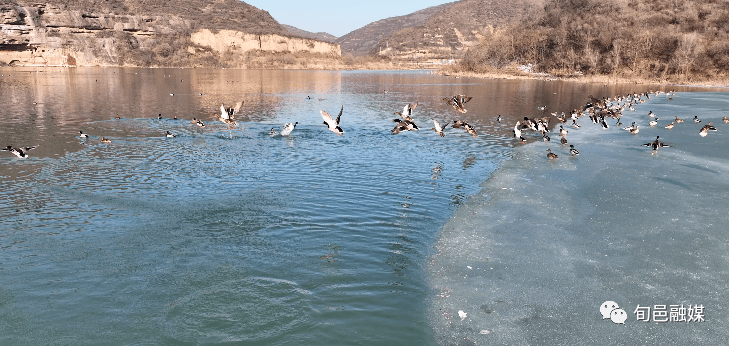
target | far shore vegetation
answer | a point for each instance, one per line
(676, 41)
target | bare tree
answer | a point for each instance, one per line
(688, 48)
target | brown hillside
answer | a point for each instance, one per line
(678, 40)
(363, 40)
(447, 33)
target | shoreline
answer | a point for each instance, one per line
(602, 79)
(443, 71)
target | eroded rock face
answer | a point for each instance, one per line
(63, 35)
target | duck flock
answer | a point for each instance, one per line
(228, 117)
(602, 111)
(599, 111)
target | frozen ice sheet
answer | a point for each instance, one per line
(533, 255)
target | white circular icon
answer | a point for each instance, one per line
(607, 307)
(618, 316)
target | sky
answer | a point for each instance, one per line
(338, 17)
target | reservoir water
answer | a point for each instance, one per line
(236, 236)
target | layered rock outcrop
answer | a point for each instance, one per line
(123, 34)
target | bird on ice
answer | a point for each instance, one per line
(551, 156)
(655, 145)
(573, 151)
(705, 130)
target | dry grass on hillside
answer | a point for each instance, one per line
(677, 41)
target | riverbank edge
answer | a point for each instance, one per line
(601, 79)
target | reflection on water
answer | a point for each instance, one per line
(222, 235)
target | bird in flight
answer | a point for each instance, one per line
(331, 123)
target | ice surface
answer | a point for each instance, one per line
(548, 242)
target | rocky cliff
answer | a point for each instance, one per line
(144, 33)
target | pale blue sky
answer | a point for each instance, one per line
(338, 17)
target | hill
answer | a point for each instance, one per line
(676, 41)
(321, 36)
(448, 32)
(434, 33)
(363, 40)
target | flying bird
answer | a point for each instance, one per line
(438, 129)
(19, 152)
(458, 102)
(407, 111)
(227, 115)
(403, 125)
(331, 123)
(288, 127)
(471, 130)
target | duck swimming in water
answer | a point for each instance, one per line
(19, 152)
(330, 122)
